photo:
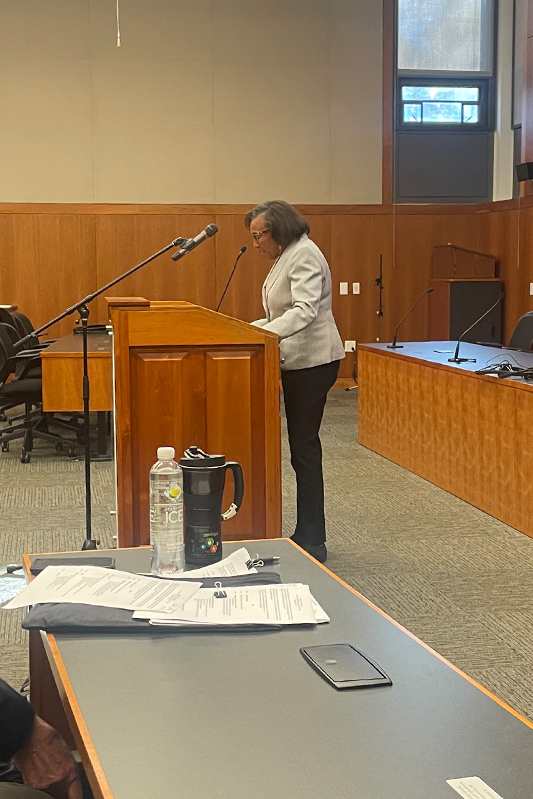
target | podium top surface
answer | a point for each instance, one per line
(157, 321)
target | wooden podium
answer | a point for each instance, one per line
(185, 375)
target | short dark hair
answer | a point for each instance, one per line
(283, 221)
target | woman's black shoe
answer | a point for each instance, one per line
(317, 551)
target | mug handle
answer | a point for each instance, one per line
(238, 490)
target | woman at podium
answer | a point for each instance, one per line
(297, 303)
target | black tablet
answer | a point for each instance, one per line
(344, 666)
(41, 563)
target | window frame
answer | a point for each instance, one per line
(484, 83)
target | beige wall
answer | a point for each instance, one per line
(503, 135)
(226, 101)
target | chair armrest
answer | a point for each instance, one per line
(25, 354)
(27, 358)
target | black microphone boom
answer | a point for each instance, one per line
(190, 244)
(82, 307)
(395, 346)
(456, 358)
(241, 253)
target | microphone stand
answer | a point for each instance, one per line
(82, 307)
(395, 346)
(241, 253)
(456, 358)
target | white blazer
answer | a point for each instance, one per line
(297, 303)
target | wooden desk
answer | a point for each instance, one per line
(471, 435)
(243, 716)
(62, 368)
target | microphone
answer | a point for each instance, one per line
(456, 358)
(395, 346)
(190, 244)
(241, 253)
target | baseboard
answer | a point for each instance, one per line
(344, 382)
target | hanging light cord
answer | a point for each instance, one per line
(118, 26)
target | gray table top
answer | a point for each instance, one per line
(243, 716)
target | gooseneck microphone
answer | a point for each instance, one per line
(241, 253)
(395, 346)
(456, 358)
(190, 244)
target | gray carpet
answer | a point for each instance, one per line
(455, 577)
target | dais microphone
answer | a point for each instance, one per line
(240, 254)
(395, 346)
(456, 358)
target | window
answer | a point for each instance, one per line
(445, 35)
(437, 103)
(444, 100)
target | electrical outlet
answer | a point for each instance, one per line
(356, 288)
(344, 288)
(349, 346)
(531, 288)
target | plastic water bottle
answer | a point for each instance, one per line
(167, 549)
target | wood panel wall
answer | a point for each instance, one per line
(53, 255)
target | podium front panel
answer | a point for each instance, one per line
(221, 397)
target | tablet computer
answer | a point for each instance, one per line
(344, 666)
(41, 563)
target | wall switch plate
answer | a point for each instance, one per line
(344, 288)
(349, 346)
(531, 288)
(356, 288)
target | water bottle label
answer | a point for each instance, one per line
(166, 526)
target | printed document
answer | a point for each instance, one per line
(232, 566)
(93, 585)
(473, 788)
(258, 604)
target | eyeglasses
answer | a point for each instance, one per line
(257, 236)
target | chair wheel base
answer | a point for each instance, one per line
(25, 457)
(5, 447)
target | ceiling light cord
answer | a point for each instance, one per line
(118, 25)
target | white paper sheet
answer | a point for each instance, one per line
(232, 566)
(93, 585)
(321, 617)
(259, 604)
(473, 788)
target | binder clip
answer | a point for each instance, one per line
(219, 593)
(252, 563)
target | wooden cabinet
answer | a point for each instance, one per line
(185, 375)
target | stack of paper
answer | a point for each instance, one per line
(258, 604)
(110, 588)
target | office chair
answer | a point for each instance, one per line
(522, 337)
(25, 327)
(27, 391)
(11, 334)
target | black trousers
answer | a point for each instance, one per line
(305, 392)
